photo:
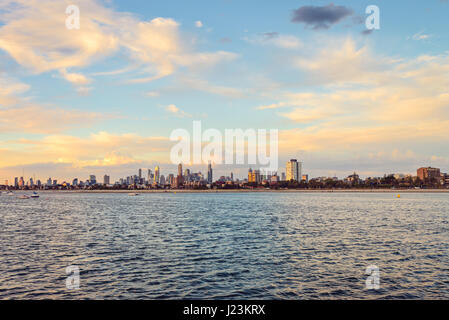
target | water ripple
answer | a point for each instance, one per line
(225, 246)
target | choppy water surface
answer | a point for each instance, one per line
(225, 246)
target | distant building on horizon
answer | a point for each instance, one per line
(209, 173)
(157, 175)
(293, 170)
(92, 180)
(171, 179)
(428, 173)
(254, 176)
(107, 179)
(179, 181)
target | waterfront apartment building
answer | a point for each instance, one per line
(254, 176)
(428, 173)
(106, 179)
(293, 170)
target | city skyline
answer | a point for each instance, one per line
(104, 98)
(293, 172)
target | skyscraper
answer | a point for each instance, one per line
(209, 173)
(107, 179)
(257, 176)
(293, 170)
(171, 179)
(92, 179)
(156, 175)
(179, 178)
(150, 177)
(254, 176)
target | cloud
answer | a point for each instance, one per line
(205, 86)
(226, 40)
(32, 118)
(270, 35)
(155, 48)
(420, 36)
(20, 114)
(339, 137)
(83, 91)
(301, 115)
(100, 149)
(275, 39)
(44, 44)
(9, 89)
(272, 106)
(342, 62)
(75, 78)
(361, 106)
(176, 111)
(152, 94)
(323, 17)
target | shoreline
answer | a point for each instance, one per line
(247, 191)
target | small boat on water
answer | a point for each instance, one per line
(34, 195)
(24, 196)
(133, 194)
(10, 193)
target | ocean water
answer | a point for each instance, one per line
(225, 246)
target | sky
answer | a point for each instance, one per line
(104, 98)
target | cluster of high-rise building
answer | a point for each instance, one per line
(293, 172)
(292, 177)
